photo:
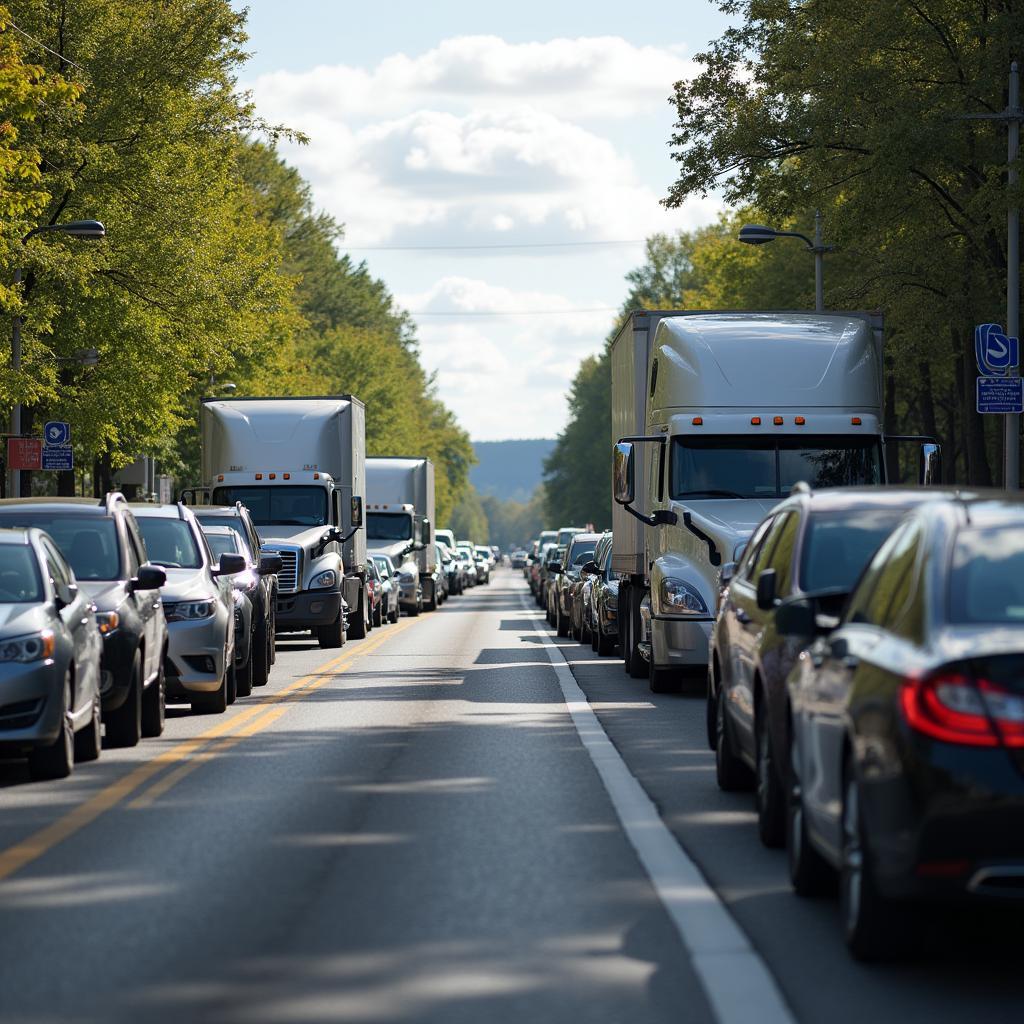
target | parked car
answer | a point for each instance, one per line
(199, 606)
(224, 540)
(390, 586)
(102, 543)
(581, 592)
(450, 566)
(908, 726)
(260, 580)
(468, 567)
(50, 651)
(482, 557)
(438, 579)
(603, 599)
(518, 559)
(566, 575)
(410, 589)
(445, 569)
(553, 555)
(811, 548)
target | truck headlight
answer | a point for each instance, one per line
(28, 648)
(681, 597)
(188, 611)
(325, 579)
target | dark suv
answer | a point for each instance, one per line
(102, 542)
(259, 582)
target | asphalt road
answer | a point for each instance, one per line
(415, 830)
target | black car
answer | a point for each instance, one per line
(602, 607)
(259, 582)
(812, 547)
(563, 577)
(102, 542)
(908, 726)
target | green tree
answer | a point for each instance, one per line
(468, 519)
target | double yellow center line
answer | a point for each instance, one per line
(188, 756)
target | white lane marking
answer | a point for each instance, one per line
(736, 981)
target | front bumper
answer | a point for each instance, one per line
(410, 594)
(30, 714)
(307, 609)
(680, 643)
(195, 654)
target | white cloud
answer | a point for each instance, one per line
(603, 76)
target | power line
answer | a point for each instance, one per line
(497, 245)
(38, 42)
(518, 312)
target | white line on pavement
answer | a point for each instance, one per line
(738, 984)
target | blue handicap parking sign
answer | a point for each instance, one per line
(57, 433)
(996, 353)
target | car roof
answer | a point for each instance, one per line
(226, 511)
(147, 510)
(585, 538)
(219, 531)
(880, 497)
(93, 506)
(18, 535)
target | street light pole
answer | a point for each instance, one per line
(819, 265)
(1011, 424)
(76, 229)
(758, 234)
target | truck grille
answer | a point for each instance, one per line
(288, 577)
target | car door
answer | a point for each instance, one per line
(78, 623)
(147, 603)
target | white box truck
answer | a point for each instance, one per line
(400, 518)
(298, 464)
(715, 417)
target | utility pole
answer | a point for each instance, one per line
(819, 264)
(1011, 425)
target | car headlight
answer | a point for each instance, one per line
(28, 648)
(108, 622)
(325, 579)
(681, 597)
(406, 577)
(188, 611)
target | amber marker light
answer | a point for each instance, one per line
(855, 420)
(777, 421)
(698, 421)
(799, 421)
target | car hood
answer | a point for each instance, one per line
(105, 594)
(187, 585)
(21, 618)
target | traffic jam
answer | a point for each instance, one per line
(859, 643)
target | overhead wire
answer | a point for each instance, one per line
(495, 245)
(40, 43)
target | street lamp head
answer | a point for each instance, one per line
(83, 229)
(757, 234)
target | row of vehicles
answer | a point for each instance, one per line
(861, 645)
(108, 610)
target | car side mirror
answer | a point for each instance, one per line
(230, 564)
(150, 577)
(766, 590)
(356, 513)
(727, 573)
(66, 594)
(590, 568)
(839, 648)
(554, 567)
(795, 618)
(270, 565)
(623, 473)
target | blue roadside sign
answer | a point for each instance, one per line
(996, 354)
(999, 395)
(54, 458)
(57, 433)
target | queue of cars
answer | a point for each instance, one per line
(866, 683)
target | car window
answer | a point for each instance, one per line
(986, 579)
(764, 554)
(222, 544)
(838, 544)
(55, 565)
(869, 601)
(751, 551)
(233, 523)
(136, 548)
(781, 559)
(170, 543)
(905, 614)
(19, 574)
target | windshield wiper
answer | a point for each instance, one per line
(712, 493)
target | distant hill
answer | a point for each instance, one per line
(510, 470)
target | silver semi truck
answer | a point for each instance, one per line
(715, 417)
(298, 464)
(400, 516)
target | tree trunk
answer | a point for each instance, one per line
(892, 454)
(28, 417)
(101, 476)
(979, 472)
(66, 483)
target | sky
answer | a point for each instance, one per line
(498, 166)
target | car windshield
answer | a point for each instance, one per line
(746, 467)
(582, 551)
(223, 544)
(89, 543)
(986, 581)
(19, 575)
(169, 542)
(838, 545)
(232, 523)
(382, 567)
(278, 506)
(388, 526)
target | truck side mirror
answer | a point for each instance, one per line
(623, 473)
(357, 511)
(426, 531)
(766, 590)
(930, 465)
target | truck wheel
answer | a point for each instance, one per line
(430, 604)
(634, 661)
(332, 636)
(357, 621)
(154, 702)
(124, 725)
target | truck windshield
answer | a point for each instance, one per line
(746, 467)
(278, 506)
(388, 526)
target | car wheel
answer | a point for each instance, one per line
(605, 644)
(333, 635)
(57, 759)
(262, 652)
(232, 683)
(875, 928)
(394, 615)
(561, 622)
(768, 792)
(809, 872)
(154, 704)
(124, 725)
(378, 616)
(244, 675)
(215, 703)
(89, 741)
(730, 772)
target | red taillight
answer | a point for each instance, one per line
(954, 709)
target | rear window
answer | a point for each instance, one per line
(838, 545)
(986, 581)
(89, 543)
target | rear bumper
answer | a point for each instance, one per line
(307, 609)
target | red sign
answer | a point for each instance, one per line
(24, 453)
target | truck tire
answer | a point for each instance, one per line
(357, 620)
(635, 665)
(430, 604)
